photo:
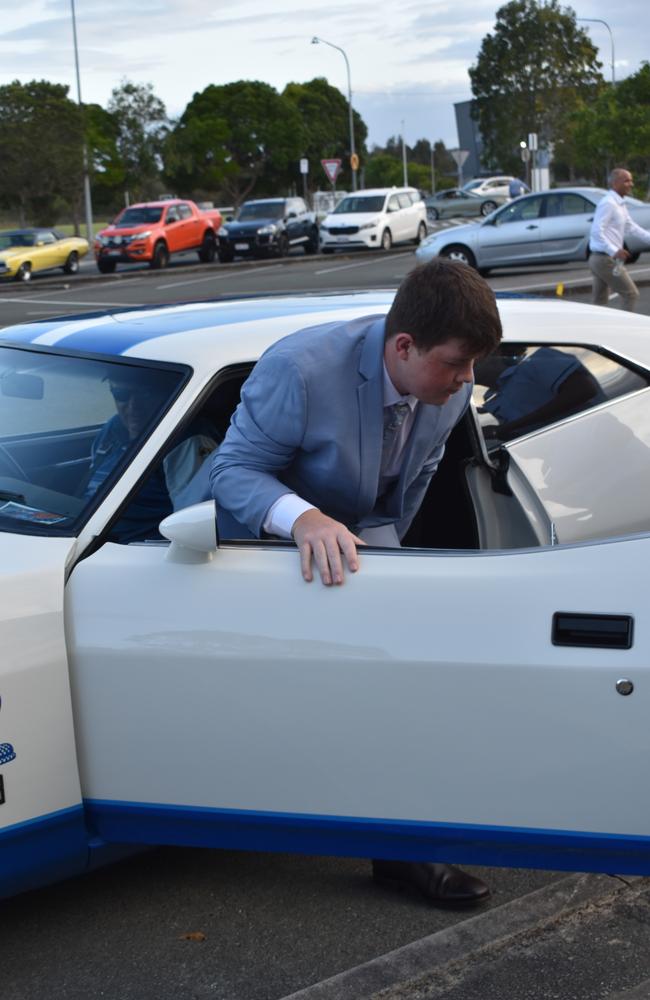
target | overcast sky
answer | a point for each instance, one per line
(409, 62)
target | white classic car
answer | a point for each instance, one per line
(479, 696)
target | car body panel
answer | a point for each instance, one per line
(514, 234)
(41, 249)
(217, 700)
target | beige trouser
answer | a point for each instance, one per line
(602, 270)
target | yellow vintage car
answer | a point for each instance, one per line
(24, 252)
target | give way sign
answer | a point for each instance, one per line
(331, 168)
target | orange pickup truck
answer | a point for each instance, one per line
(152, 231)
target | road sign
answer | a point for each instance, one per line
(532, 141)
(459, 155)
(354, 161)
(331, 168)
(304, 166)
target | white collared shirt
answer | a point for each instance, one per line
(611, 222)
(282, 514)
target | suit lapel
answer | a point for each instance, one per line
(370, 395)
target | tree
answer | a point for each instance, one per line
(41, 137)
(530, 76)
(142, 124)
(325, 116)
(233, 135)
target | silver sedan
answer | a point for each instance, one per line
(549, 226)
(455, 202)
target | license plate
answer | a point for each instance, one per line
(342, 239)
(241, 246)
(114, 253)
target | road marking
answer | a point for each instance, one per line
(235, 273)
(67, 302)
(569, 281)
(363, 263)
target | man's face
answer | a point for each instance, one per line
(432, 376)
(134, 406)
(624, 183)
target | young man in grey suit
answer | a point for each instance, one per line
(338, 434)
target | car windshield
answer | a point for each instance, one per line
(16, 239)
(69, 426)
(471, 185)
(139, 216)
(261, 210)
(360, 203)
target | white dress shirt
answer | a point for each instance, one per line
(611, 223)
(287, 509)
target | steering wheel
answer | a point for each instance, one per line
(10, 467)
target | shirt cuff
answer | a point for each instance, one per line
(282, 515)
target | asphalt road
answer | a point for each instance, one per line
(260, 926)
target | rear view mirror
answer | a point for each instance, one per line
(22, 386)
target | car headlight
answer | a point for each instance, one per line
(223, 231)
(267, 230)
(369, 225)
(102, 240)
(141, 236)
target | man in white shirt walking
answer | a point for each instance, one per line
(611, 224)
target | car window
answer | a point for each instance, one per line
(393, 203)
(69, 426)
(519, 211)
(139, 216)
(360, 203)
(45, 236)
(404, 200)
(574, 204)
(185, 211)
(523, 387)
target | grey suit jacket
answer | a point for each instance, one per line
(310, 422)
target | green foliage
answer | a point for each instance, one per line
(141, 126)
(41, 137)
(385, 165)
(531, 75)
(325, 127)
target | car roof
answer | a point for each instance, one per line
(211, 335)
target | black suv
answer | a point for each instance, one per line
(268, 227)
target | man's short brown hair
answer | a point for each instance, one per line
(444, 299)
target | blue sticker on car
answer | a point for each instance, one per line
(7, 753)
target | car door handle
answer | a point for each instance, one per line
(592, 630)
(532, 227)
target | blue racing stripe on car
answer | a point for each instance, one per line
(124, 331)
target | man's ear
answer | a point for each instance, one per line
(402, 344)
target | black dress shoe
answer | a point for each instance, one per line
(444, 885)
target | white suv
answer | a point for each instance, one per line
(375, 218)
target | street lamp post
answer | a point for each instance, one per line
(353, 154)
(88, 203)
(599, 20)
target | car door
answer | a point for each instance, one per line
(45, 252)
(512, 235)
(439, 704)
(397, 219)
(565, 226)
(175, 233)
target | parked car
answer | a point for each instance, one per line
(24, 252)
(455, 202)
(165, 687)
(269, 227)
(375, 218)
(498, 186)
(551, 226)
(154, 230)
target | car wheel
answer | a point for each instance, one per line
(283, 245)
(311, 246)
(24, 272)
(71, 265)
(386, 240)
(106, 266)
(160, 257)
(487, 207)
(458, 252)
(422, 234)
(433, 214)
(208, 249)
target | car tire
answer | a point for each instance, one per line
(433, 214)
(458, 252)
(71, 265)
(24, 272)
(106, 266)
(422, 234)
(160, 257)
(386, 240)
(208, 249)
(487, 207)
(282, 248)
(311, 246)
